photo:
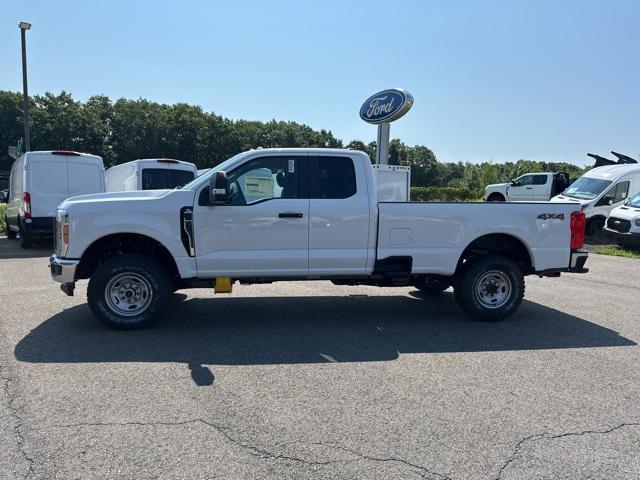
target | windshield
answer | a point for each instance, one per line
(221, 166)
(586, 188)
(635, 201)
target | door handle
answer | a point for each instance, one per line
(289, 215)
(529, 188)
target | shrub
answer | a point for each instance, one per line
(444, 194)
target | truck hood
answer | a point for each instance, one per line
(497, 187)
(626, 212)
(565, 199)
(115, 197)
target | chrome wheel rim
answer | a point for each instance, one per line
(493, 289)
(128, 294)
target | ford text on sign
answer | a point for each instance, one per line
(386, 106)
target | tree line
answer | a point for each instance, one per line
(124, 130)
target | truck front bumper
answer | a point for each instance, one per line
(63, 270)
(629, 239)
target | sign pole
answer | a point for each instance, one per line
(382, 149)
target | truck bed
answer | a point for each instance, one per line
(435, 234)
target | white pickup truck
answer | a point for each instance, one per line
(304, 214)
(528, 187)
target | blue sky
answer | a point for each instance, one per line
(492, 80)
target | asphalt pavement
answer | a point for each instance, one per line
(309, 380)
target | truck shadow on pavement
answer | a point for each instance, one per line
(286, 330)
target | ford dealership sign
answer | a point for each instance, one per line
(386, 106)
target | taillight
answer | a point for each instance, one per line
(65, 233)
(578, 223)
(26, 204)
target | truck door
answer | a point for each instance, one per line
(339, 216)
(264, 231)
(541, 187)
(521, 190)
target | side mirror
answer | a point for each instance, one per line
(514, 183)
(4, 196)
(218, 189)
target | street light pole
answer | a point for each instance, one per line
(24, 26)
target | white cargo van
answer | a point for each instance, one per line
(40, 181)
(149, 174)
(600, 190)
(623, 225)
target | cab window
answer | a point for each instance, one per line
(264, 179)
(616, 194)
(332, 177)
(539, 179)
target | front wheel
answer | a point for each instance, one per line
(595, 226)
(490, 288)
(496, 197)
(128, 291)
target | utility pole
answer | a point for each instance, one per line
(24, 26)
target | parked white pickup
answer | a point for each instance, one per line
(528, 187)
(304, 214)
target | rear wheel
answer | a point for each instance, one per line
(11, 235)
(490, 288)
(128, 291)
(26, 239)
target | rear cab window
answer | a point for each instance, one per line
(332, 177)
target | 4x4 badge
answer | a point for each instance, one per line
(551, 216)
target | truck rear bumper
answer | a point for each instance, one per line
(576, 265)
(578, 259)
(39, 226)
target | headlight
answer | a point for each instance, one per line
(62, 232)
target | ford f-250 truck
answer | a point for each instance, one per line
(304, 214)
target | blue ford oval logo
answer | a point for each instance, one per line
(386, 106)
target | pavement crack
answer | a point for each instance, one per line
(423, 471)
(545, 436)
(251, 449)
(19, 422)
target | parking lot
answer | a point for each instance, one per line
(310, 380)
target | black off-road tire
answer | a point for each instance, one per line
(153, 272)
(471, 274)
(26, 239)
(595, 227)
(432, 287)
(11, 235)
(496, 197)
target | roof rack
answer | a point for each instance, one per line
(600, 161)
(624, 158)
